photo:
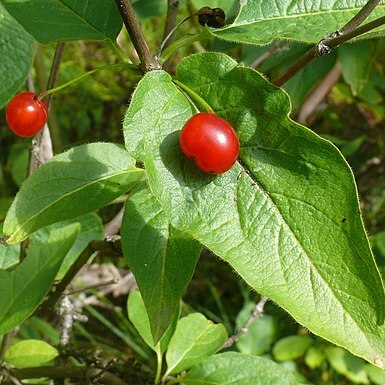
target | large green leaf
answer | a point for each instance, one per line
(237, 369)
(195, 339)
(162, 258)
(16, 51)
(286, 216)
(25, 287)
(53, 20)
(76, 182)
(261, 21)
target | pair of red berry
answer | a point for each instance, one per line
(26, 115)
(206, 138)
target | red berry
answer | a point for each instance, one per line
(26, 115)
(210, 141)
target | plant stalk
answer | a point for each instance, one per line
(326, 45)
(50, 91)
(147, 60)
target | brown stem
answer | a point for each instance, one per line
(326, 45)
(172, 11)
(361, 16)
(255, 313)
(54, 69)
(58, 290)
(74, 373)
(147, 60)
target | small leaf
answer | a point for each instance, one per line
(291, 348)
(30, 353)
(356, 61)
(68, 19)
(260, 22)
(23, 288)
(162, 258)
(18, 47)
(76, 182)
(314, 358)
(376, 375)
(348, 365)
(138, 316)
(237, 369)
(195, 339)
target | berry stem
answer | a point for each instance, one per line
(81, 77)
(184, 41)
(194, 96)
(166, 39)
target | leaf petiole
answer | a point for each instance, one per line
(132, 67)
(194, 96)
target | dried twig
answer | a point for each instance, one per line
(319, 94)
(255, 313)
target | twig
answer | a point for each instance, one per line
(7, 338)
(54, 69)
(169, 35)
(319, 93)
(255, 313)
(275, 49)
(172, 11)
(42, 144)
(69, 314)
(58, 290)
(74, 373)
(113, 226)
(147, 60)
(333, 40)
(361, 16)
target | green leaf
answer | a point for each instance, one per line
(376, 375)
(25, 287)
(314, 358)
(162, 258)
(286, 216)
(76, 182)
(348, 365)
(356, 60)
(68, 19)
(195, 339)
(18, 47)
(138, 315)
(30, 353)
(291, 347)
(261, 333)
(91, 228)
(237, 369)
(260, 22)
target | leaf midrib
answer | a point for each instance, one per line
(83, 20)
